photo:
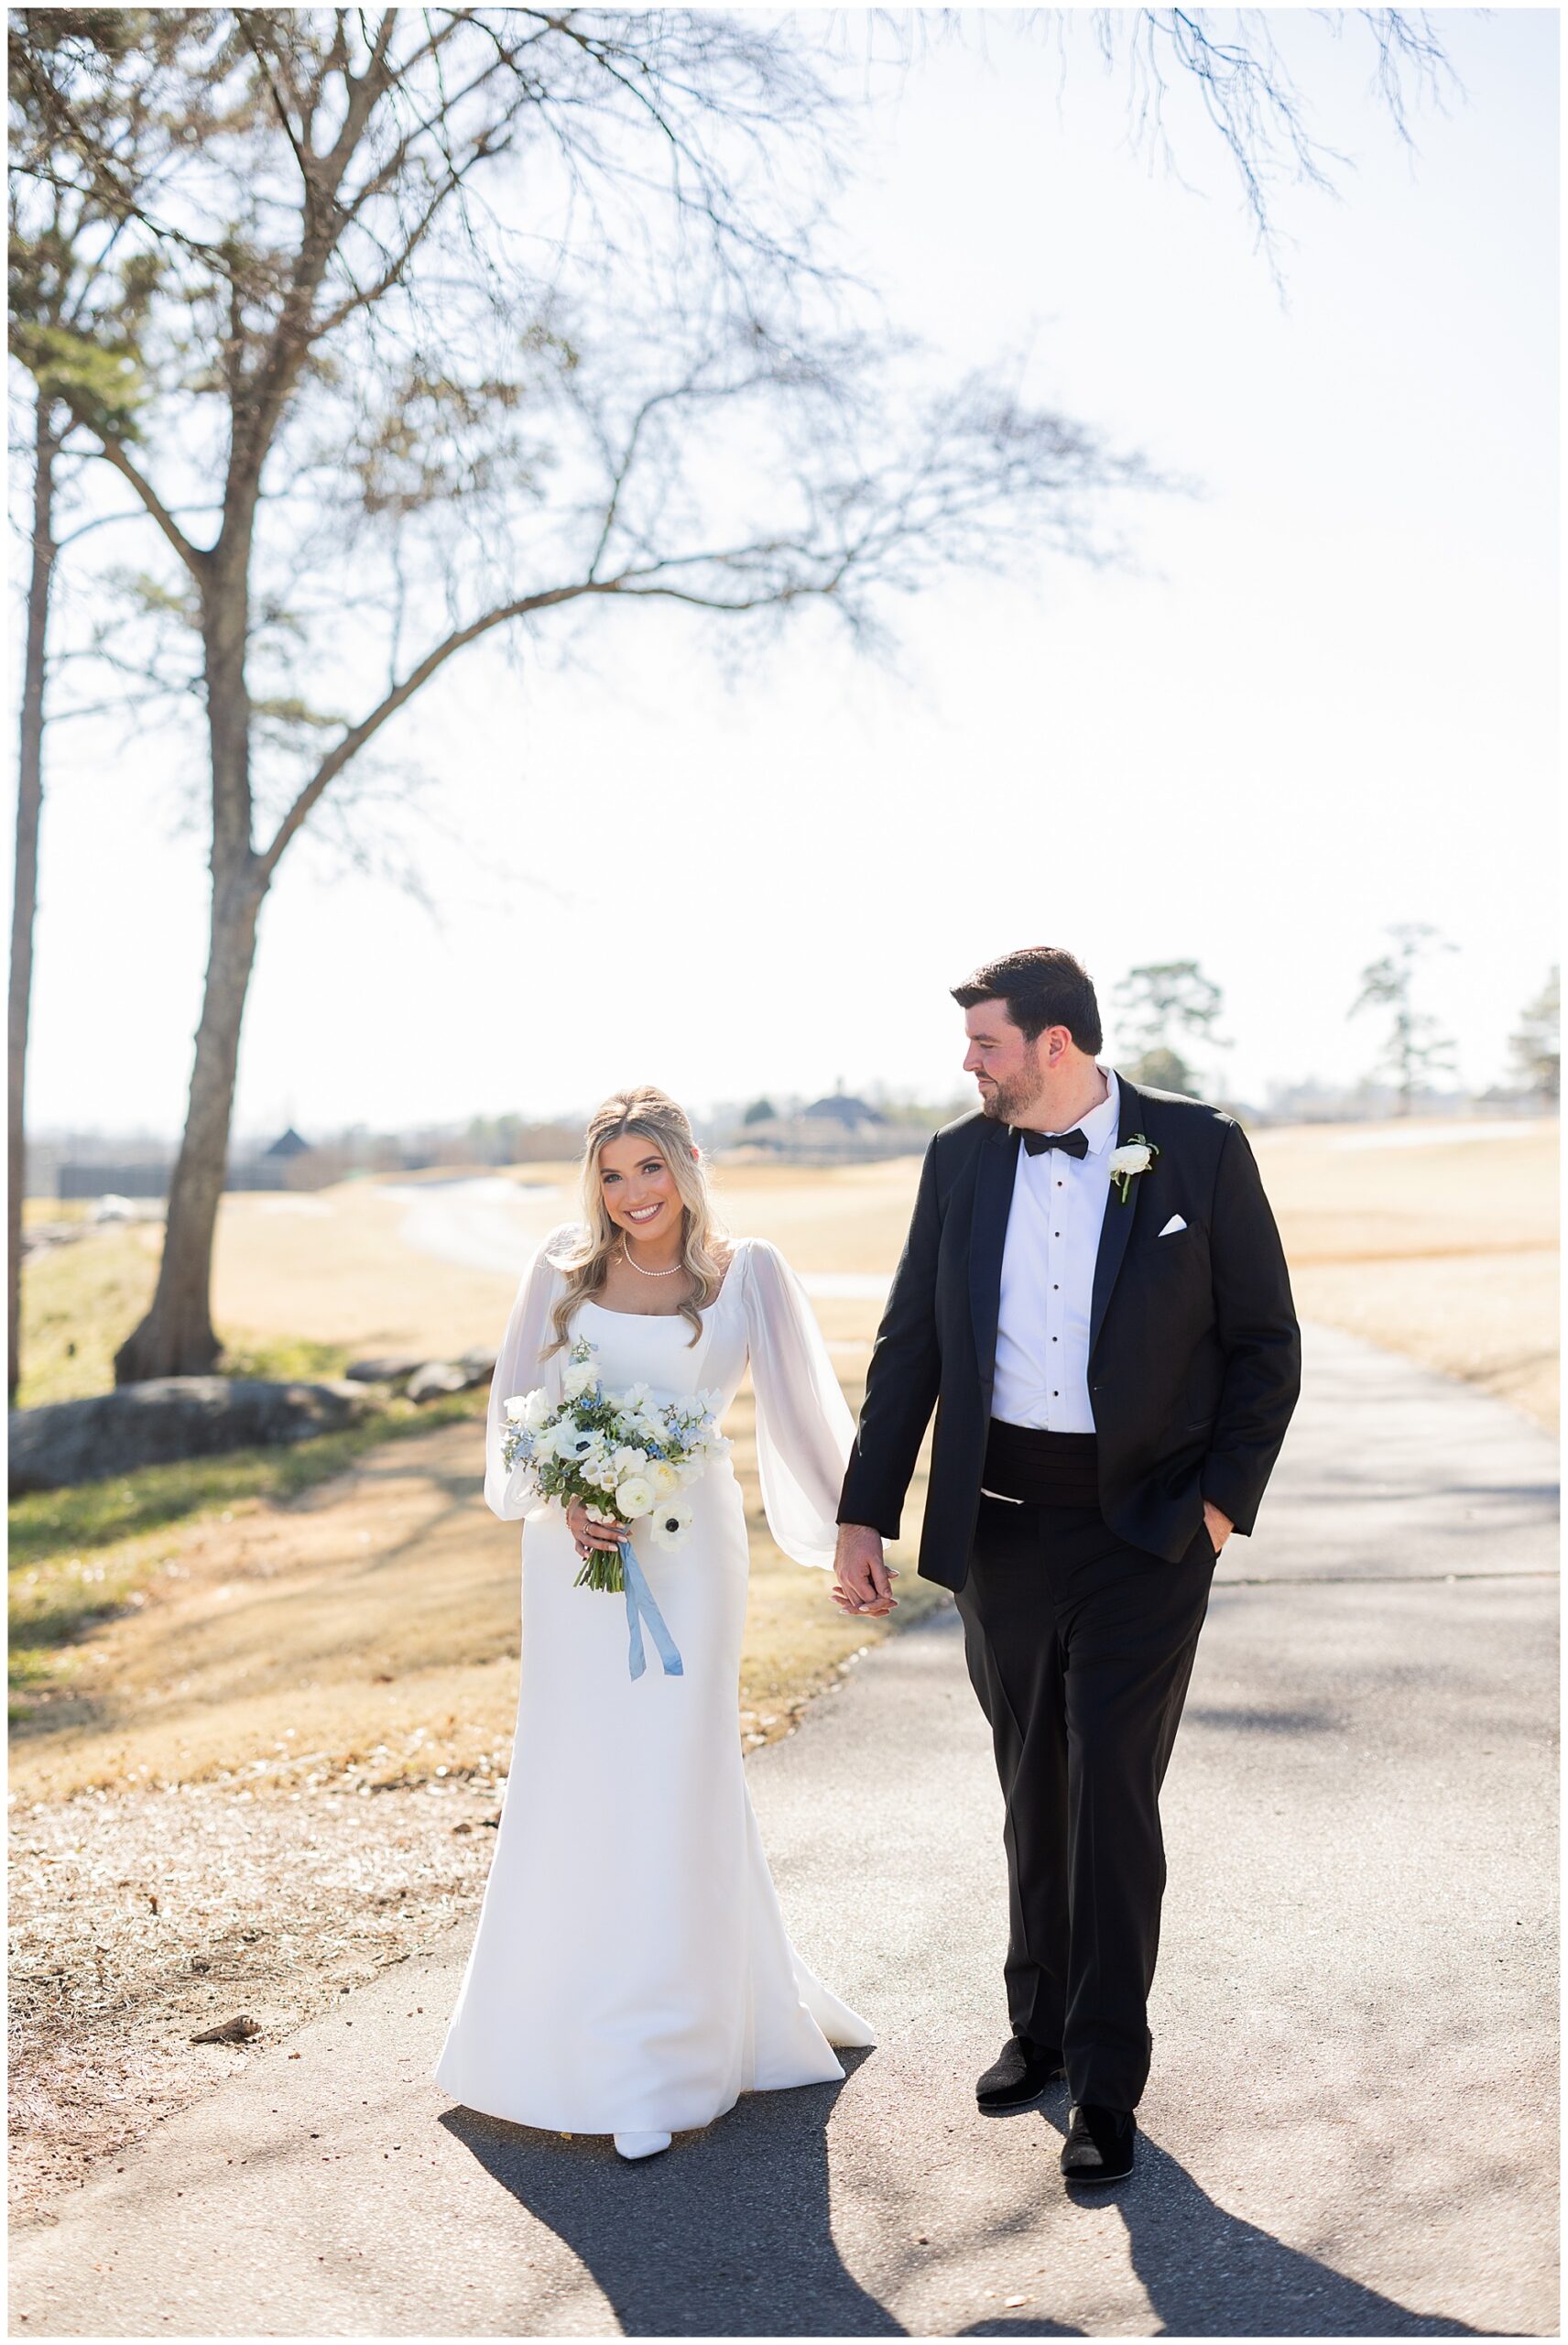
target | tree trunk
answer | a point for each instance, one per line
(176, 1338)
(25, 881)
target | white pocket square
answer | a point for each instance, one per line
(1172, 1226)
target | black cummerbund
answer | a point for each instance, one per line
(1043, 1468)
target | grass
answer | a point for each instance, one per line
(346, 1608)
(361, 1630)
(78, 1556)
(81, 1300)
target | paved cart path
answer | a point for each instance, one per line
(1351, 2125)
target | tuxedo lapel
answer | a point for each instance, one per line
(987, 1238)
(1116, 1227)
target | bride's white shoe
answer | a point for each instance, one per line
(642, 2145)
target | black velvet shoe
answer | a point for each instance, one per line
(1018, 2077)
(1099, 2142)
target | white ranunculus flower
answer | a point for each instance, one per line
(1136, 1157)
(665, 1480)
(634, 1497)
(671, 1521)
(516, 1408)
(536, 1409)
(578, 1379)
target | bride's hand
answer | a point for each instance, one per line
(585, 1533)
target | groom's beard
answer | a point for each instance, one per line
(1012, 1099)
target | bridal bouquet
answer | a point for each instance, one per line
(625, 1454)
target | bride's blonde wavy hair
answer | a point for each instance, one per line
(653, 1116)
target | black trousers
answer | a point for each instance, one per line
(1079, 1649)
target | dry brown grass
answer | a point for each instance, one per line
(137, 1922)
(326, 1683)
(1447, 1251)
(365, 1632)
(322, 1635)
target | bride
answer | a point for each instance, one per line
(632, 1974)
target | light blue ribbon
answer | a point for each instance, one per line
(640, 1607)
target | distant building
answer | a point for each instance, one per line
(853, 1114)
(836, 1130)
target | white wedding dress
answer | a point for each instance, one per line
(632, 1973)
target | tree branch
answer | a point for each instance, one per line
(354, 739)
(111, 453)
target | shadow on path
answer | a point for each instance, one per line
(728, 2234)
(1208, 2274)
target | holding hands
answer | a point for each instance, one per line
(862, 1581)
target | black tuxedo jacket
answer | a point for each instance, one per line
(1194, 1353)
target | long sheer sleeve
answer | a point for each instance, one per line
(804, 1430)
(518, 1368)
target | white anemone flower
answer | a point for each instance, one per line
(671, 1521)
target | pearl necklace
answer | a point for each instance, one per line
(625, 1257)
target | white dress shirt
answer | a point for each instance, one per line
(1047, 1278)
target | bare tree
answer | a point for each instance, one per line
(458, 319)
(1417, 1048)
(400, 422)
(1537, 1046)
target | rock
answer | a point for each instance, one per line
(475, 1366)
(439, 1375)
(385, 1369)
(168, 1418)
(233, 2031)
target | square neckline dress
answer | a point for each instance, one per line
(631, 1970)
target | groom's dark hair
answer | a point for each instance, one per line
(1041, 986)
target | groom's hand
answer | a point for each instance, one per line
(1218, 1526)
(862, 1581)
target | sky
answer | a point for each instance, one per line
(1318, 697)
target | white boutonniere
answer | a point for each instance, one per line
(1135, 1156)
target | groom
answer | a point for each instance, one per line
(1093, 1297)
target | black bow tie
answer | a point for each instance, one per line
(1070, 1143)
